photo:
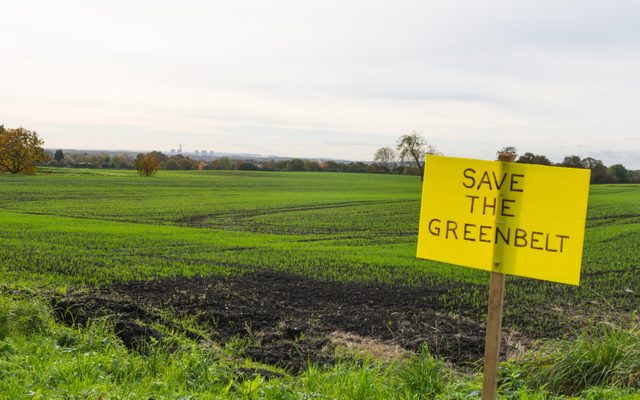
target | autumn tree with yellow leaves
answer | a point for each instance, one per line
(20, 150)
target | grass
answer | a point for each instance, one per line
(600, 356)
(43, 359)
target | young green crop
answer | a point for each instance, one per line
(73, 227)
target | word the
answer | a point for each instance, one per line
(491, 204)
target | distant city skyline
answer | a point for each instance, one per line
(326, 79)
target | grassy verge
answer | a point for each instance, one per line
(40, 358)
(601, 356)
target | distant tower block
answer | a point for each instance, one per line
(180, 149)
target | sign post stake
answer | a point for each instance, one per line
(492, 342)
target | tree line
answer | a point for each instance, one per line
(600, 173)
(21, 151)
(183, 162)
(410, 151)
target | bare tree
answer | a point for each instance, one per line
(386, 157)
(413, 148)
(508, 153)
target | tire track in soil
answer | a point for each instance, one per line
(241, 220)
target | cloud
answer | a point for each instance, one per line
(326, 78)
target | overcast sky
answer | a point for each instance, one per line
(326, 78)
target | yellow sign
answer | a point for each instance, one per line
(518, 219)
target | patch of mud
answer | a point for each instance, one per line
(288, 320)
(124, 315)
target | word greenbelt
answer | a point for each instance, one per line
(517, 237)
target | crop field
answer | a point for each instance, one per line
(298, 267)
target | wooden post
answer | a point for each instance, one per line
(492, 342)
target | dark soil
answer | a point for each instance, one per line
(284, 320)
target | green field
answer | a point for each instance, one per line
(66, 229)
(81, 227)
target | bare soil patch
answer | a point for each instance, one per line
(285, 320)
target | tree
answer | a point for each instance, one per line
(373, 169)
(508, 154)
(247, 166)
(147, 164)
(171, 165)
(619, 173)
(185, 163)
(329, 166)
(385, 157)
(222, 163)
(413, 148)
(295, 164)
(312, 166)
(58, 156)
(358, 167)
(20, 151)
(105, 161)
(122, 161)
(530, 158)
(160, 156)
(599, 173)
(572, 162)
